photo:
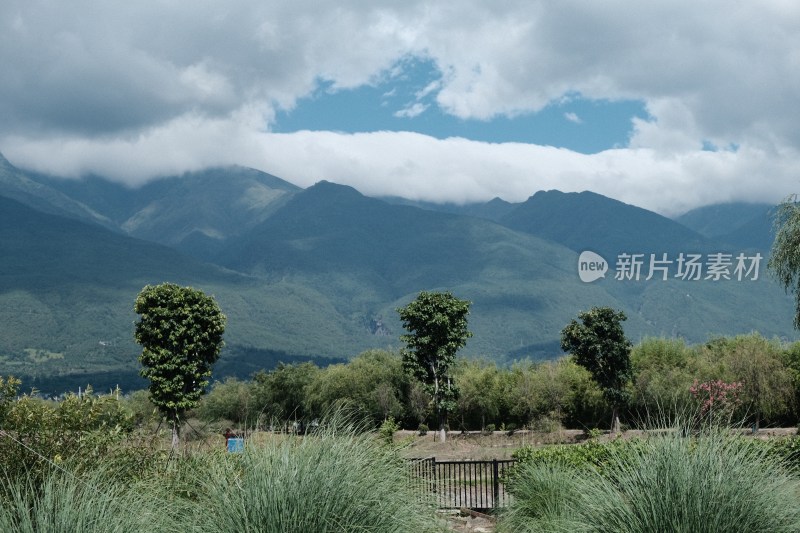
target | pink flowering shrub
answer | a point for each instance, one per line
(717, 399)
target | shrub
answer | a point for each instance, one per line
(713, 482)
(334, 480)
(587, 455)
(423, 429)
(81, 429)
(488, 429)
(387, 430)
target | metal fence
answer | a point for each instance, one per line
(477, 485)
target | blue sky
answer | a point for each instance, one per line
(405, 101)
(666, 104)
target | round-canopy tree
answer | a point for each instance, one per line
(180, 331)
(598, 343)
(437, 328)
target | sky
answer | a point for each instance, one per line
(668, 105)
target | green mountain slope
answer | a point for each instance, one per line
(367, 257)
(319, 272)
(66, 287)
(719, 220)
(66, 298)
(495, 209)
(20, 186)
(738, 225)
(590, 221)
(195, 212)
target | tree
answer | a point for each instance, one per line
(759, 366)
(664, 370)
(784, 259)
(598, 343)
(373, 383)
(437, 328)
(180, 331)
(479, 393)
(230, 400)
(281, 394)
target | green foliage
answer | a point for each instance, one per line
(591, 454)
(336, 480)
(714, 483)
(598, 344)
(663, 371)
(437, 328)
(91, 503)
(373, 382)
(140, 407)
(9, 388)
(480, 393)
(230, 400)
(760, 366)
(180, 330)
(387, 430)
(423, 429)
(281, 394)
(559, 392)
(78, 430)
(784, 259)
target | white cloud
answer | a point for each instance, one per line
(572, 117)
(150, 88)
(421, 167)
(413, 110)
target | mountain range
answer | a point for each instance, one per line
(318, 272)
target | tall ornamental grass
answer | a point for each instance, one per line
(709, 483)
(332, 481)
(94, 503)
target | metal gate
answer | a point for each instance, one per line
(477, 485)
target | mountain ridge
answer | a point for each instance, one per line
(309, 272)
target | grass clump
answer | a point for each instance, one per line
(92, 503)
(713, 482)
(332, 481)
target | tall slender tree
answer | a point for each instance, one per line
(598, 343)
(180, 330)
(437, 328)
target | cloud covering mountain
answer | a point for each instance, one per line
(150, 88)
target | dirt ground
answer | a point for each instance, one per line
(475, 445)
(470, 524)
(478, 446)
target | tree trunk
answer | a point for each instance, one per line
(615, 426)
(176, 433)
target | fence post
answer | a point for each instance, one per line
(495, 483)
(435, 484)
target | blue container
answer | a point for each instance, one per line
(235, 445)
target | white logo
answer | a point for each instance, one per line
(713, 267)
(591, 266)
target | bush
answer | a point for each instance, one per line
(80, 429)
(710, 483)
(587, 455)
(423, 429)
(488, 429)
(335, 480)
(387, 430)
